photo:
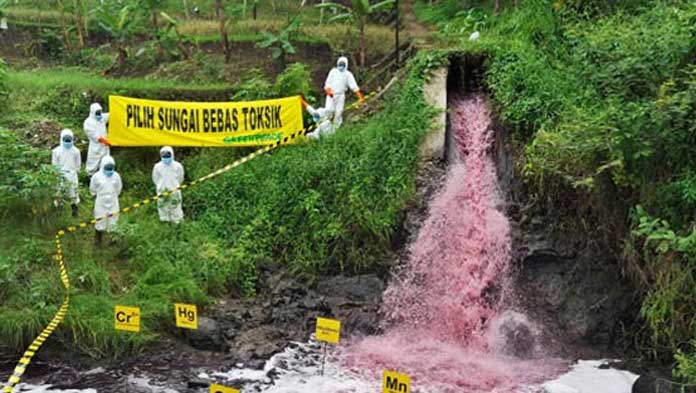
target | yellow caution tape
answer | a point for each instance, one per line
(24, 361)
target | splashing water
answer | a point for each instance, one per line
(444, 318)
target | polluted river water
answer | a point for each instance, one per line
(447, 318)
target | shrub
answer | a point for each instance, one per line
(295, 80)
(29, 183)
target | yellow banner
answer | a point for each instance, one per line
(137, 122)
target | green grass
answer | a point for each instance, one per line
(63, 95)
(327, 206)
(47, 79)
(379, 38)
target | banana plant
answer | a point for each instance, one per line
(170, 39)
(281, 44)
(358, 13)
(121, 23)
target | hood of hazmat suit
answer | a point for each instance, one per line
(64, 133)
(106, 161)
(167, 149)
(107, 190)
(167, 176)
(68, 161)
(93, 110)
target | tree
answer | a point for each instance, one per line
(220, 9)
(81, 22)
(64, 27)
(281, 43)
(72, 16)
(358, 13)
(121, 23)
(151, 8)
(170, 40)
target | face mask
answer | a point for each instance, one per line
(99, 117)
(67, 144)
(316, 118)
(167, 160)
(109, 172)
(341, 67)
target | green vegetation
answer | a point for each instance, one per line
(28, 174)
(602, 97)
(358, 13)
(297, 207)
(64, 95)
(281, 44)
(76, 22)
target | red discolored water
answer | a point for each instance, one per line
(445, 322)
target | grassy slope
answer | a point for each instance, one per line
(602, 97)
(317, 207)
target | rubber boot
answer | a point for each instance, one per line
(74, 210)
(98, 238)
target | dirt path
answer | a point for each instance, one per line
(413, 28)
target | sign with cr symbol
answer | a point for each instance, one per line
(215, 388)
(127, 318)
(186, 316)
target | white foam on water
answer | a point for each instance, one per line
(23, 387)
(143, 383)
(587, 377)
(297, 370)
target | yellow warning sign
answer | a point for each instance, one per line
(127, 318)
(328, 330)
(186, 316)
(215, 388)
(393, 382)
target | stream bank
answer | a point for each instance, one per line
(565, 285)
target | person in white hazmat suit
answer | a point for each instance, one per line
(68, 160)
(106, 186)
(95, 128)
(322, 118)
(167, 175)
(337, 83)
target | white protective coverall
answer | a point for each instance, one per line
(168, 176)
(339, 82)
(95, 129)
(106, 189)
(322, 117)
(68, 162)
